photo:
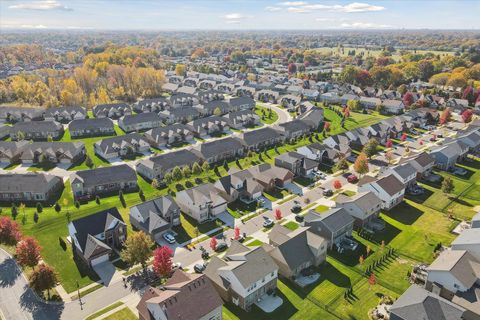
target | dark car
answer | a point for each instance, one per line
(328, 192)
(299, 218)
(221, 247)
(352, 178)
(199, 267)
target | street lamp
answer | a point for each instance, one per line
(79, 297)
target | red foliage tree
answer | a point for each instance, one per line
(408, 99)
(403, 137)
(420, 142)
(213, 243)
(236, 233)
(9, 232)
(326, 126)
(278, 214)
(372, 280)
(292, 68)
(337, 184)
(162, 261)
(28, 252)
(389, 143)
(445, 116)
(346, 112)
(467, 116)
(364, 78)
(469, 94)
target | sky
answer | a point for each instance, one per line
(238, 14)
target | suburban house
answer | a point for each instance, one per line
(214, 107)
(95, 127)
(469, 240)
(423, 164)
(295, 251)
(111, 110)
(293, 129)
(156, 167)
(388, 188)
(242, 119)
(244, 275)
(471, 139)
(267, 96)
(151, 105)
(30, 187)
(297, 163)
(121, 146)
(392, 106)
(267, 176)
(36, 130)
(322, 153)
(219, 150)
(406, 173)
(87, 184)
(156, 216)
(261, 138)
(338, 139)
(290, 102)
(183, 100)
(418, 303)
(11, 151)
(170, 135)
(334, 225)
(4, 131)
(53, 152)
(225, 88)
(245, 91)
(358, 137)
(370, 102)
(239, 185)
(364, 207)
(330, 97)
(140, 122)
(183, 296)
(65, 114)
(314, 118)
(242, 103)
(207, 126)
(180, 115)
(95, 237)
(449, 154)
(20, 114)
(202, 202)
(170, 87)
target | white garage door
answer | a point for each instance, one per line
(100, 259)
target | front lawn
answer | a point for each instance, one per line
(292, 225)
(321, 208)
(189, 228)
(266, 115)
(122, 314)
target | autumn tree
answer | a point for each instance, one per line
(9, 232)
(372, 280)
(43, 278)
(389, 143)
(341, 165)
(337, 184)
(137, 249)
(467, 116)
(361, 164)
(236, 233)
(445, 116)
(371, 148)
(403, 137)
(162, 261)
(180, 69)
(213, 243)
(278, 214)
(27, 252)
(292, 68)
(408, 99)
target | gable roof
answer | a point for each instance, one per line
(461, 264)
(334, 219)
(363, 200)
(390, 184)
(82, 124)
(97, 176)
(154, 211)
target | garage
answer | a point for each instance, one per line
(98, 260)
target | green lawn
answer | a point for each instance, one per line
(122, 314)
(321, 208)
(265, 115)
(238, 208)
(292, 225)
(105, 310)
(189, 228)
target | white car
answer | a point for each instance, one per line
(169, 238)
(268, 223)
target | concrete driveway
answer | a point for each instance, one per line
(106, 271)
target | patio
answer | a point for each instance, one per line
(304, 281)
(268, 303)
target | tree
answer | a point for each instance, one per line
(403, 137)
(278, 214)
(88, 161)
(389, 156)
(9, 232)
(369, 249)
(162, 261)
(371, 148)
(337, 184)
(187, 172)
(217, 111)
(27, 252)
(141, 195)
(371, 280)
(361, 164)
(177, 173)
(292, 68)
(236, 233)
(43, 278)
(180, 69)
(354, 105)
(57, 207)
(196, 168)
(122, 198)
(155, 184)
(349, 74)
(326, 126)
(389, 143)
(408, 99)
(205, 167)
(447, 186)
(361, 259)
(137, 249)
(39, 207)
(445, 116)
(342, 165)
(467, 116)
(213, 243)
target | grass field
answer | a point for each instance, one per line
(122, 314)
(373, 53)
(267, 115)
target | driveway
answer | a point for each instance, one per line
(106, 271)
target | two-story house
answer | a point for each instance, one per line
(140, 122)
(91, 128)
(202, 202)
(388, 188)
(364, 207)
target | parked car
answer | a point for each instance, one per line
(319, 174)
(299, 218)
(352, 178)
(199, 267)
(268, 223)
(352, 158)
(328, 192)
(222, 246)
(176, 265)
(240, 239)
(169, 237)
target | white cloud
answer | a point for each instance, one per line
(364, 25)
(235, 18)
(272, 9)
(349, 8)
(41, 5)
(293, 3)
(30, 26)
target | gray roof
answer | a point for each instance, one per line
(170, 160)
(238, 101)
(334, 219)
(84, 124)
(29, 182)
(36, 126)
(468, 237)
(140, 118)
(154, 211)
(419, 304)
(294, 125)
(405, 170)
(363, 200)
(100, 176)
(256, 136)
(390, 184)
(461, 264)
(108, 145)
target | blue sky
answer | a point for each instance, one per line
(236, 14)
